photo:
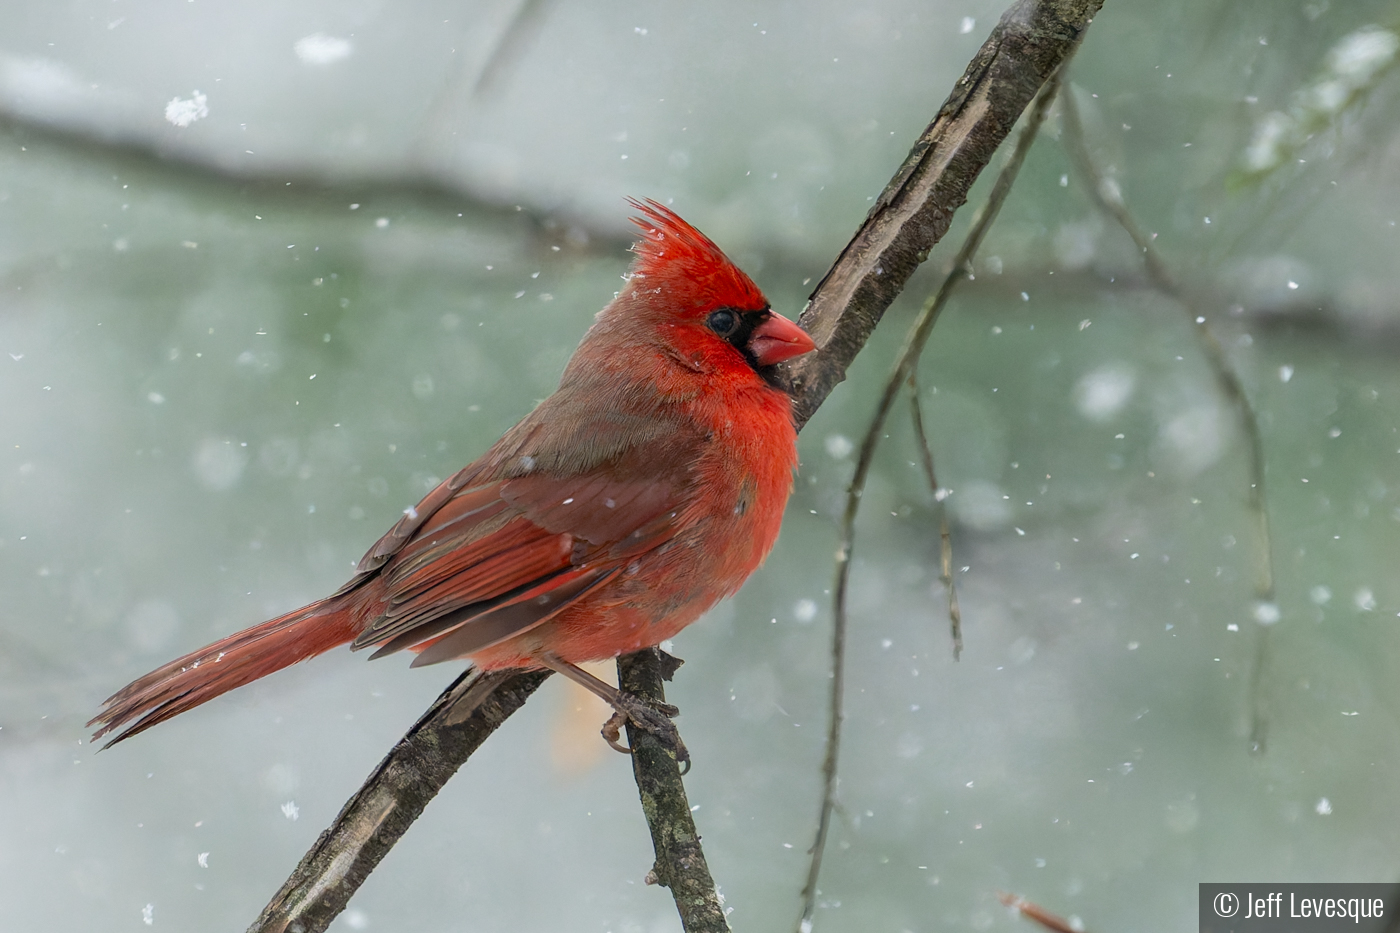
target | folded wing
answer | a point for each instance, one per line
(492, 560)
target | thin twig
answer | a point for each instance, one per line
(1040, 915)
(940, 508)
(680, 862)
(910, 216)
(1107, 195)
(905, 365)
(524, 24)
(469, 82)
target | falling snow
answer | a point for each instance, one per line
(183, 112)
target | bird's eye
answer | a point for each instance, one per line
(723, 322)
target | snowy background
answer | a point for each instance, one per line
(269, 270)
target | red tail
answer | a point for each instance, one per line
(228, 663)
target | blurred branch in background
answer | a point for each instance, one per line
(296, 189)
(1023, 52)
(903, 373)
(510, 46)
(1291, 157)
(1108, 197)
(524, 25)
(1352, 69)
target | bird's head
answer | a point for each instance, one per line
(684, 278)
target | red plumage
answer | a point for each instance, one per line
(646, 488)
(673, 253)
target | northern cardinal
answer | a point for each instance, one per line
(646, 488)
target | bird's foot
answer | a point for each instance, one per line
(652, 718)
(649, 716)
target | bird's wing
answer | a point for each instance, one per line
(490, 560)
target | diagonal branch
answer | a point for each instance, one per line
(910, 216)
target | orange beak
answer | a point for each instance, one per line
(778, 339)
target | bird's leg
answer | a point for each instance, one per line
(627, 708)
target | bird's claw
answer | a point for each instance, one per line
(612, 733)
(653, 718)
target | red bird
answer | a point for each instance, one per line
(645, 489)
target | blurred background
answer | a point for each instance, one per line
(269, 270)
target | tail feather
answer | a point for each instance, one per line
(228, 663)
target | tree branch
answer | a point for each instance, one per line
(680, 862)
